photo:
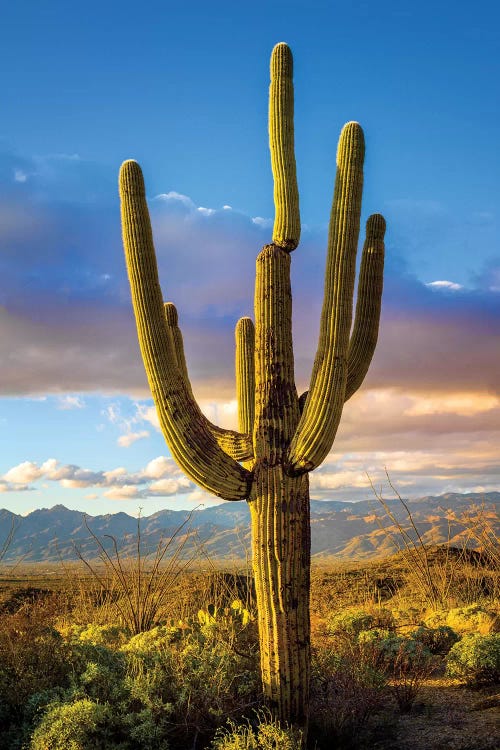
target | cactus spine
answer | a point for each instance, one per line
(281, 437)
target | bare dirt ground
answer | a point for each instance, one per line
(446, 716)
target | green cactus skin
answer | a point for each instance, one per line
(245, 381)
(185, 428)
(286, 232)
(366, 322)
(235, 444)
(281, 437)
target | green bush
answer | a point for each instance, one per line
(195, 680)
(475, 659)
(267, 735)
(112, 636)
(437, 640)
(73, 726)
(391, 647)
(351, 622)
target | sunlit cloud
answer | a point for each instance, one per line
(125, 441)
(433, 381)
(160, 478)
(464, 404)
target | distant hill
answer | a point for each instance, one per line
(343, 530)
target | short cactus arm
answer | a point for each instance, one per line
(286, 232)
(172, 320)
(191, 443)
(366, 320)
(318, 424)
(245, 374)
(237, 445)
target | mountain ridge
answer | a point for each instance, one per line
(340, 529)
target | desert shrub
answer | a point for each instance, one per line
(351, 622)
(98, 671)
(474, 618)
(33, 658)
(406, 661)
(112, 636)
(197, 680)
(266, 735)
(73, 726)
(475, 659)
(437, 640)
(25, 597)
(165, 683)
(347, 687)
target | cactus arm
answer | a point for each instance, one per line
(245, 378)
(191, 443)
(172, 320)
(245, 373)
(323, 408)
(366, 320)
(286, 232)
(237, 445)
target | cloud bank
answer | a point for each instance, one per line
(430, 403)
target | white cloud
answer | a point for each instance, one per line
(261, 222)
(168, 487)
(176, 197)
(131, 437)
(222, 413)
(24, 473)
(69, 401)
(161, 467)
(146, 413)
(120, 471)
(160, 477)
(20, 175)
(453, 286)
(125, 492)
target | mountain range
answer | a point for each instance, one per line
(342, 530)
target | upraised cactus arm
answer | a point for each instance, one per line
(323, 408)
(245, 374)
(238, 445)
(366, 321)
(184, 426)
(286, 232)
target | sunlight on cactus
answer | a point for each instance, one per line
(281, 437)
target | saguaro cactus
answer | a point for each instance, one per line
(281, 437)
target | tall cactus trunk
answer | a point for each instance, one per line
(279, 504)
(281, 566)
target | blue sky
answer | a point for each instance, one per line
(184, 91)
